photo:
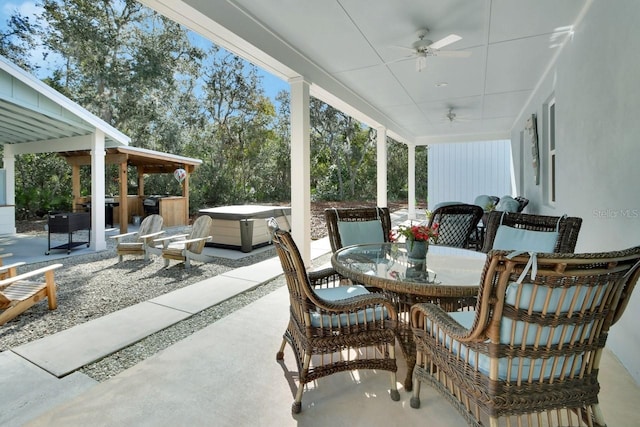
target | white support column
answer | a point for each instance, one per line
(411, 165)
(98, 155)
(381, 143)
(9, 165)
(301, 168)
(8, 212)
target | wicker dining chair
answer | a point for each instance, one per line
(567, 228)
(337, 329)
(522, 202)
(530, 353)
(341, 219)
(456, 224)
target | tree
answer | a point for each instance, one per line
(123, 62)
(238, 131)
(341, 151)
(18, 40)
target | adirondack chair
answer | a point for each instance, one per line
(187, 247)
(150, 228)
(20, 292)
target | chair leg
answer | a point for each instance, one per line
(51, 290)
(297, 404)
(280, 353)
(415, 397)
(120, 257)
(14, 311)
(597, 414)
(395, 395)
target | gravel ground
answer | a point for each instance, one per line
(91, 286)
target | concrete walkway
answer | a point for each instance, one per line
(224, 375)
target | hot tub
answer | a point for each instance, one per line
(243, 226)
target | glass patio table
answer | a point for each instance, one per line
(448, 277)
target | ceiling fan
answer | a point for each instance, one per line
(424, 47)
(453, 117)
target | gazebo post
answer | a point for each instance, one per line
(124, 209)
(75, 186)
(185, 193)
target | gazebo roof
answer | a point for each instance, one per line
(150, 161)
(32, 113)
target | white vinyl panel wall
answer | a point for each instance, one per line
(461, 171)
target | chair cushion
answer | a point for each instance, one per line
(508, 204)
(518, 239)
(465, 318)
(343, 292)
(360, 232)
(559, 300)
(484, 201)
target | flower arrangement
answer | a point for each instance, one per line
(415, 233)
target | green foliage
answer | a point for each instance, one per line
(17, 40)
(43, 183)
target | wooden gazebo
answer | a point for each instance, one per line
(175, 209)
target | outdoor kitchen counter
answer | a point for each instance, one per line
(243, 226)
(174, 211)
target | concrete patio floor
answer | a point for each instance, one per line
(224, 375)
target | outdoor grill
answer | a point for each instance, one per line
(151, 205)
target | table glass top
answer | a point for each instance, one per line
(389, 261)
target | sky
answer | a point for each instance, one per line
(271, 84)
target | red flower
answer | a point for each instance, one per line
(419, 233)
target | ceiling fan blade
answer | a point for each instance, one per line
(452, 53)
(451, 38)
(404, 58)
(409, 49)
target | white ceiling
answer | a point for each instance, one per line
(343, 47)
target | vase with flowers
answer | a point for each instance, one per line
(417, 238)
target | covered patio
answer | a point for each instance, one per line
(528, 58)
(563, 63)
(224, 374)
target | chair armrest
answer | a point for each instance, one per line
(198, 239)
(324, 277)
(14, 265)
(9, 270)
(157, 233)
(119, 236)
(446, 323)
(173, 237)
(10, 280)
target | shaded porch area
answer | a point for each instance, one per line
(226, 373)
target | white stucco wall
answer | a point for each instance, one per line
(596, 83)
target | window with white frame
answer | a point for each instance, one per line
(551, 133)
